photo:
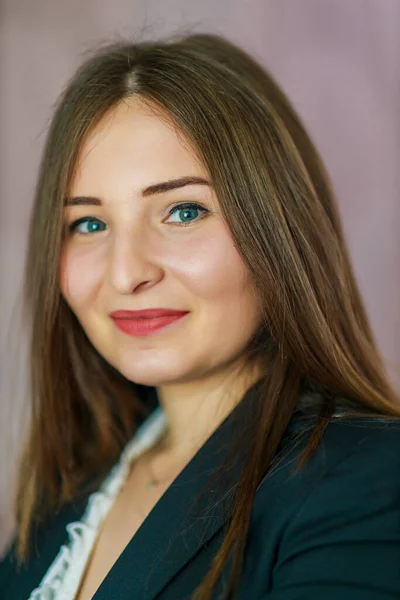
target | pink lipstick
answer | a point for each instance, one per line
(145, 322)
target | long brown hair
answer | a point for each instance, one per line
(277, 200)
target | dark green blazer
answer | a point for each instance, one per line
(331, 532)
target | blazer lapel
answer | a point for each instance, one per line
(177, 527)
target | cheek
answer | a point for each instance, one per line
(215, 272)
(80, 276)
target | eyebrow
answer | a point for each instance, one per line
(151, 190)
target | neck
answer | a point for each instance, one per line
(194, 410)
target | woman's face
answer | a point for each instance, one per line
(133, 250)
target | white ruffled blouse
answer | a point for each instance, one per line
(63, 578)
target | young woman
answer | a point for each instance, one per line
(211, 416)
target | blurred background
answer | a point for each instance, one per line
(339, 62)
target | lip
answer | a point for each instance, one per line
(148, 313)
(145, 322)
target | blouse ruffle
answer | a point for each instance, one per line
(64, 575)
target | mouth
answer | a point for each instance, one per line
(147, 313)
(143, 326)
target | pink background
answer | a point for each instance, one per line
(339, 61)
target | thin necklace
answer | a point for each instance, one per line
(154, 482)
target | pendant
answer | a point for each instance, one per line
(151, 484)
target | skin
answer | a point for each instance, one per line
(139, 256)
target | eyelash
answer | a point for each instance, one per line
(186, 205)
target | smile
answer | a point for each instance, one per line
(144, 327)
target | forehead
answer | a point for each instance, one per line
(138, 139)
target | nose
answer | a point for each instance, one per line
(130, 264)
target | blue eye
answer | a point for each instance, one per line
(91, 221)
(186, 212)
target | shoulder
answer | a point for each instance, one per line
(351, 440)
(17, 582)
(356, 452)
(357, 460)
(336, 521)
(363, 450)
(49, 538)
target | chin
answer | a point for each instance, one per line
(148, 374)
